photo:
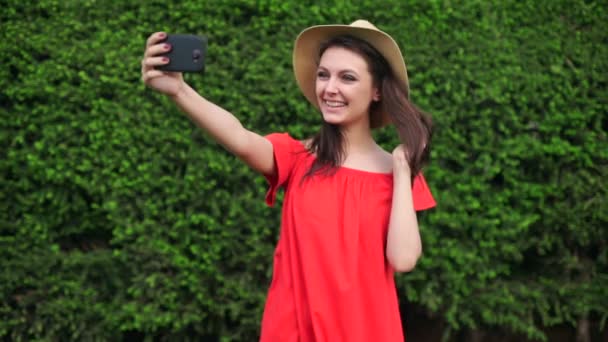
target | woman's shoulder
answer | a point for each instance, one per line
(306, 143)
(377, 161)
(384, 160)
(285, 138)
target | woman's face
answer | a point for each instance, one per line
(344, 87)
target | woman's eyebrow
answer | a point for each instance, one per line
(341, 71)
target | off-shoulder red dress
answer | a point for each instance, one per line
(331, 280)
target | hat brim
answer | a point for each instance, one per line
(306, 49)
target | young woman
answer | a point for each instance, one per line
(349, 213)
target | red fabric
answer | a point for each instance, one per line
(331, 280)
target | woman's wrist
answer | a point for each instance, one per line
(180, 93)
(402, 176)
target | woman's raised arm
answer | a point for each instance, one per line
(224, 127)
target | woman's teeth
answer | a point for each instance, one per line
(334, 103)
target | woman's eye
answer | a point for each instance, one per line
(349, 77)
(321, 74)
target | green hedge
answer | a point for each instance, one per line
(120, 219)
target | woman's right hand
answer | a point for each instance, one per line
(169, 83)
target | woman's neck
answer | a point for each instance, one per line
(358, 139)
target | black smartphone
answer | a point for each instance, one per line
(187, 53)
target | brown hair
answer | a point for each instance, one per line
(413, 126)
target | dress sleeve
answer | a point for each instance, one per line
(284, 160)
(421, 194)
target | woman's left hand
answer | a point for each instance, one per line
(400, 163)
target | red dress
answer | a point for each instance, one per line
(331, 280)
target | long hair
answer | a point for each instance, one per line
(414, 127)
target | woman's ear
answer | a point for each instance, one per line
(376, 95)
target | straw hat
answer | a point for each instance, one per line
(306, 54)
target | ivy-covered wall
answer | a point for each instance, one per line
(120, 219)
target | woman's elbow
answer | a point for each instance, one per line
(404, 263)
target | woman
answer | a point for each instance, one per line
(349, 213)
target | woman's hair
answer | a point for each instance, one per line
(413, 126)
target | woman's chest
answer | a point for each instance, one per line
(340, 205)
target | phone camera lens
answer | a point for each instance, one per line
(196, 55)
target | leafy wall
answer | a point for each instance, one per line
(120, 219)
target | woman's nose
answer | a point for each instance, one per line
(331, 86)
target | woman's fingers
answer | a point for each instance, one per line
(158, 49)
(151, 74)
(151, 62)
(152, 58)
(154, 38)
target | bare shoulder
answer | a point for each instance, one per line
(306, 143)
(377, 161)
(385, 160)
